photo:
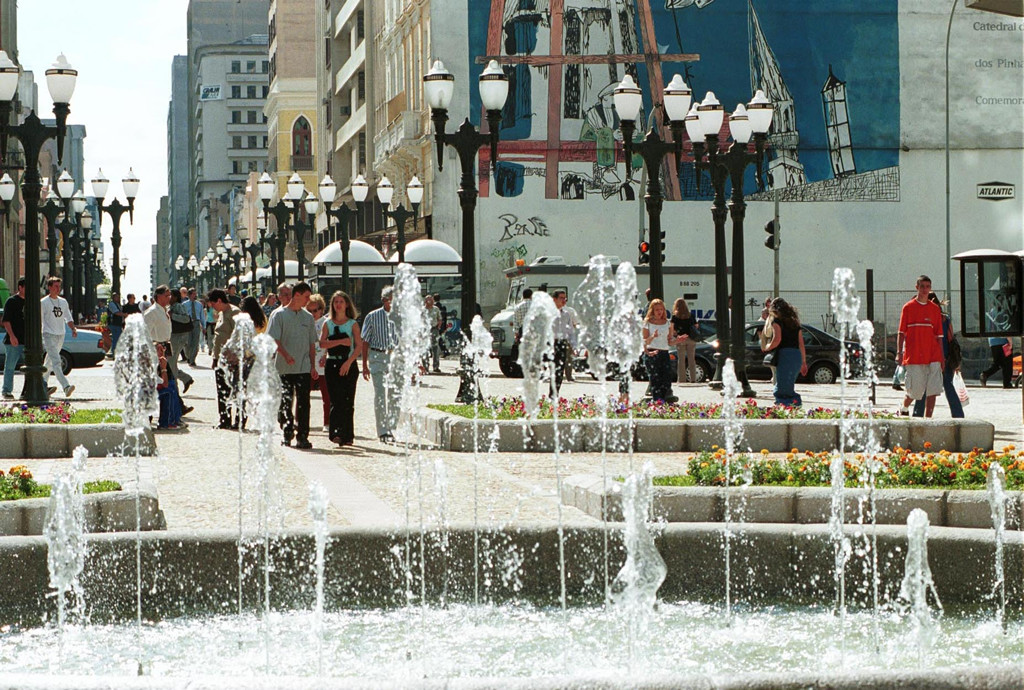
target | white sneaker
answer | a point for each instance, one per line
(8, 396)
(51, 390)
(69, 390)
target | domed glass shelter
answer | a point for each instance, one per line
(438, 265)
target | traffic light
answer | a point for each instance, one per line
(645, 253)
(772, 241)
(662, 247)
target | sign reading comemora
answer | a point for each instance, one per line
(995, 191)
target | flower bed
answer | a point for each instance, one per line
(56, 413)
(18, 483)
(899, 469)
(586, 407)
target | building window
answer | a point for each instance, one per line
(253, 166)
(236, 142)
(236, 91)
(362, 150)
(360, 22)
(251, 117)
(236, 117)
(250, 66)
(362, 86)
(236, 67)
(327, 51)
(266, 90)
(265, 141)
(302, 145)
(264, 118)
(236, 167)
(266, 66)
(250, 92)
(251, 141)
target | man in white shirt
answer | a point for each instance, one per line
(564, 329)
(56, 316)
(158, 319)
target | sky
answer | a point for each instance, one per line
(122, 50)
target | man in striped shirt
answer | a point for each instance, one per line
(379, 339)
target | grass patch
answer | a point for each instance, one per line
(18, 483)
(587, 407)
(56, 413)
(900, 469)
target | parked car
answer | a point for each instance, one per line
(84, 351)
(822, 354)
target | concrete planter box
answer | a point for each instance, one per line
(785, 505)
(22, 441)
(453, 433)
(111, 511)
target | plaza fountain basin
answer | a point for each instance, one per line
(459, 434)
(41, 441)
(800, 505)
(110, 511)
(376, 631)
(187, 573)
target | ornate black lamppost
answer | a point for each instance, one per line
(116, 209)
(628, 98)
(32, 133)
(400, 214)
(703, 124)
(342, 215)
(89, 260)
(285, 210)
(58, 210)
(179, 264)
(438, 87)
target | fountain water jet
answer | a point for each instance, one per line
(318, 503)
(537, 360)
(917, 582)
(478, 350)
(995, 482)
(732, 388)
(136, 376)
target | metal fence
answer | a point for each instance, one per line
(815, 310)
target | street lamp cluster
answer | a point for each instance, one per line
(702, 123)
(115, 210)
(67, 218)
(32, 133)
(439, 87)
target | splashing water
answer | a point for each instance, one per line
(478, 351)
(64, 530)
(996, 482)
(413, 332)
(234, 354)
(263, 399)
(537, 352)
(917, 582)
(318, 503)
(595, 305)
(732, 389)
(870, 467)
(635, 589)
(845, 306)
(136, 377)
(443, 527)
(537, 359)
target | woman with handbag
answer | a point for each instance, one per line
(340, 337)
(686, 346)
(659, 336)
(786, 352)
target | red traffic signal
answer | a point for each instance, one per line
(645, 256)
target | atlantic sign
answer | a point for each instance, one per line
(995, 191)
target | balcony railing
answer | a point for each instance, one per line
(302, 162)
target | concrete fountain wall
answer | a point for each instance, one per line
(455, 433)
(20, 441)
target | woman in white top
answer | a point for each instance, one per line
(659, 336)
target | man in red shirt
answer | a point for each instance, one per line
(919, 347)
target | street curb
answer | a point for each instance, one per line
(791, 505)
(43, 441)
(453, 433)
(111, 511)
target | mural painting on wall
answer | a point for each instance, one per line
(830, 67)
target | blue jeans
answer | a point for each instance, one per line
(13, 355)
(115, 335)
(787, 367)
(956, 408)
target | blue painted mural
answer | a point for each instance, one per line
(831, 67)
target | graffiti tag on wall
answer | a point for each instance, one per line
(532, 227)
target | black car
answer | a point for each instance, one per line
(822, 354)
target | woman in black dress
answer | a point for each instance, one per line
(339, 336)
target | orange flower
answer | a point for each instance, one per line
(927, 444)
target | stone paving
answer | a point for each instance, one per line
(196, 471)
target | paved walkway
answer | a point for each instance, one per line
(197, 470)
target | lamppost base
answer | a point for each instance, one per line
(469, 390)
(34, 391)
